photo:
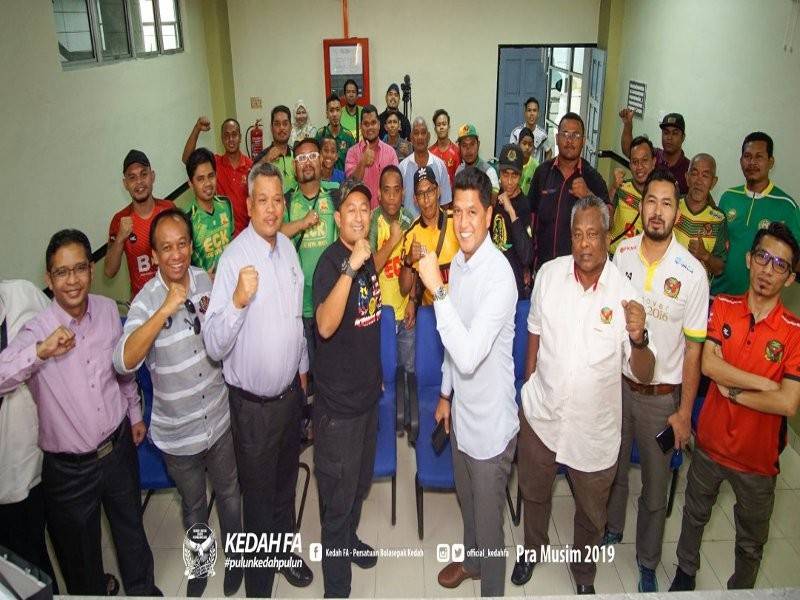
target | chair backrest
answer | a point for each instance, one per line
(520, 348)
(433, 471)
(386, 448)
(152, 470)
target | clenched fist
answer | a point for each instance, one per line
(626, 114)
(61, 341)
(311, 219)
(579, 188)
(634, 320)
(176, 297)
(369, 157)
(361, 252)
(125, 228)
(429, 273)
(246, 286)
(203, 124)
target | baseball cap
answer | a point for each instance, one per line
(422, 174)
(348, 187)
(511, 158)
(673, 120)
(467, 130)
(135, 156)
(393, 86)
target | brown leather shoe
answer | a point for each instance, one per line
(454, 575)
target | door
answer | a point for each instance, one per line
(522, 73)
(594, 104)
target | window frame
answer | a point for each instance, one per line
(569, 75)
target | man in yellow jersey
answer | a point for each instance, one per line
(626, 222)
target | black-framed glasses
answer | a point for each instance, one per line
(62, 273)
(779, 265)
(195, 324)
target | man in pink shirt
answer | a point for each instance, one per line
(89, 423)
(367, 159)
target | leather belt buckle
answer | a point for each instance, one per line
(105, 449)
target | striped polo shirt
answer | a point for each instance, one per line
(190, 398)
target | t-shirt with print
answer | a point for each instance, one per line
(709, 225)
(312, 243)
(379, 232)
(626, 222)
(347, 366)
(343, 142)
(212, 232)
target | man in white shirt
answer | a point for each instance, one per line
(542, 145)
(475, 319)
(586, 320)
(674, 286)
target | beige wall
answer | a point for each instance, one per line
(65, 133)
(448, 47)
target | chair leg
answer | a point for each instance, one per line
(211, 503)
(672, 489)
(413, 407)
(299, 517)
(420, 523)
(400, 394)
(146, 500)
(510, 506)
(394, 499)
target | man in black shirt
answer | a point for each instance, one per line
(557, 185)
(347, 371)
(511, 220)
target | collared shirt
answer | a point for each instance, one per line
(20, 457)
(409, 166)
(542, 144)
(678, 170)
(573, 401)
(675, 293)
(709, 225)
(284, 163)
(232, 183)
(486, 168)
(626, 222)
(476, 324)
(451, 157)
(79, 397)
(261, 345)
(389, 277)
(736, 436)
(190, 398)
(211, 231)
(384, 156)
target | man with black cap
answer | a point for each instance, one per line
(670, 155)
(347, 371)
(511, 219)
(129, 231)
(392, 102)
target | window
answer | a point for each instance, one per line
(99, 31)
(565, 89)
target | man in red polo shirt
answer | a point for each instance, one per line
(752, 355)
(231, 168)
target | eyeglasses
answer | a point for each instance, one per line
(572, 136)
(779, 265)
(301, 158)
(63, 273)
(195, 324)
(429, 193)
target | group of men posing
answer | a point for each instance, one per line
(239, 298)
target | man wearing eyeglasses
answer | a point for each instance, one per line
(556, 187)
(89, 424)
(190, 422)
(752, 355)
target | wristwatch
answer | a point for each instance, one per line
(440, 293)
(643, 344)
(732, 393)
(346, 269)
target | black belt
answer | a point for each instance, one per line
(103, 449)
(266, 399)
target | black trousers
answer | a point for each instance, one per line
(73, 492)
(22, 531)
(344, 461)
(266, 438)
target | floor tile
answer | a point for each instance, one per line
(780, 563)
(550, 578)
(720, 556)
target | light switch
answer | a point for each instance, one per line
(255, 102)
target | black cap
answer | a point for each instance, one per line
(393, 86)
(305, 140)
(511, 158)
(673, 120)
(135, 156)
(348, 187)
(422, 174)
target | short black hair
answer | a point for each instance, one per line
(439, 112)
(166, 214)
(306, 140)
(531, 99)
(525, 132)
(368, 109)
(199, 157)
(472, 178)
(643, 139)
(280, 109)
(781, 233)
(662, 174)
(333, 97)
(348, 82)
(65, 237)
(390, 169)
(759, 136)
(571, 116)
(230, 120)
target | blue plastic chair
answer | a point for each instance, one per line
(386, 448)
(433, 472)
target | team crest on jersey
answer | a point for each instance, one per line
(629, 200)
(731, 215)
(323, 205)
(605, 315)
(203, 305)
(726, 331)
(672, 287)
(223, 218)
(773, 351)
(707, 230)
(342, 145)
(763, 223)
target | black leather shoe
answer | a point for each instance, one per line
(683, 582)
(522, 572)
(363, 555)
(585, 589)
(298, 575)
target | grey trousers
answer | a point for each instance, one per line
(481, 491)
(755, 497)
(642, 418)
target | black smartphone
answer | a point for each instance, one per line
(666, 439)
(439, 437)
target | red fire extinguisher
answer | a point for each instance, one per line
(254, 137)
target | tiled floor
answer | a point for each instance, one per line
(415, 577)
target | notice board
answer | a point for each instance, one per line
(347, 58)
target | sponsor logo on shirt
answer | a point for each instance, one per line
(773, 351)
(672, 287)
(763, 223)
(605, 315)
(726, 331)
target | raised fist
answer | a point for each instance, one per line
(246, 286)
(176, 297)
(203, 124)
(125, 228)
(634, 319)
(61, 341)
(360, 255)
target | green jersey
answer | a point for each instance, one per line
(212, 232)
(527, 175)
(746, 213)
(351, 123)
(311, 243)
(343, 142)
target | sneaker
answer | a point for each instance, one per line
(363, 556)
(682, 582)
(647, 580)
(610, 538)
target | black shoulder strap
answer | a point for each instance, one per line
(442, 232)
(628, 229)
(3, 344)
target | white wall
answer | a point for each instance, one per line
(449, 48)
(722, 65)
(65, 133)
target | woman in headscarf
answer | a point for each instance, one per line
(302, 128)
